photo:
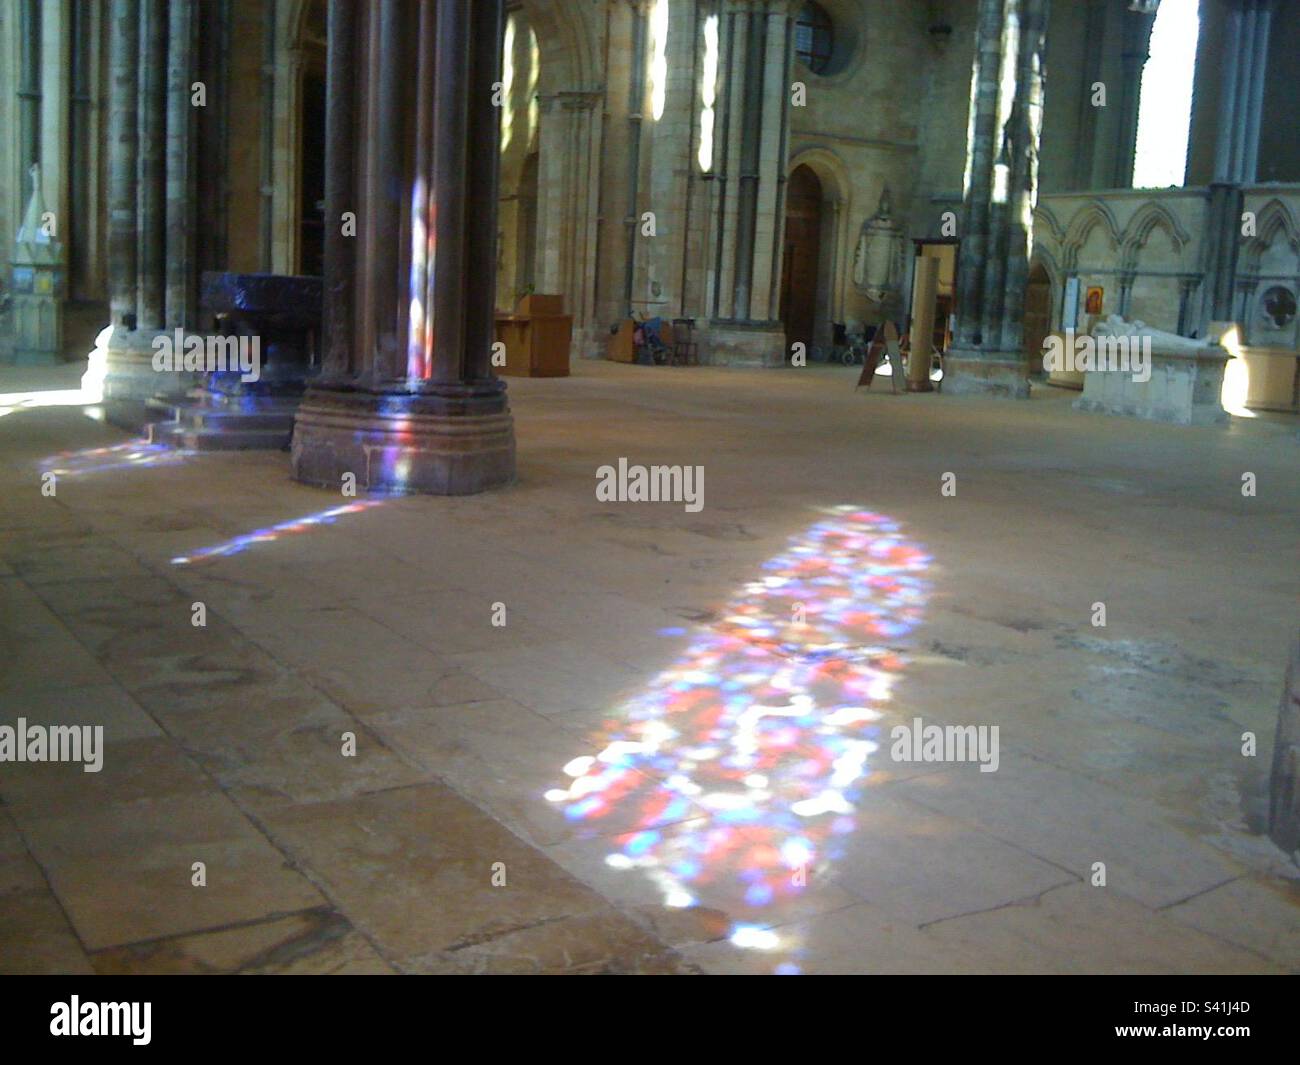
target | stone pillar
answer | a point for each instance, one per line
(340, 194)
(180, 200)
(1086, 173)
(981, 138)
(636, 104)
(427, 415)
(1186, 286)
(1001, 188)
(1219, 252)
(1241, 89)
(1137, 45)
(1255, 93)
(669, 170)
(124, 33)
(151, 165)
(749, 194)
(1241, 98)
(1126, 279)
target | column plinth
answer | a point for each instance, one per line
(399, 441)
(976, 372)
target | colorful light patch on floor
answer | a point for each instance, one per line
(738, 769)
(135, 454)
(275, 532)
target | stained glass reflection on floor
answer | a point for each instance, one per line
(270, 533)
(134, 454)
(741, 764)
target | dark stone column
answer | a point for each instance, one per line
(1137, 44)
(997, 232)
(180, 204)
(450, 154)
(124, 30)
(1219, 253)
(151, 165)
(484, 162)
(1022, 184)
(973, 254)
(749, 205)
(636, 90)
(421, 102)
(340, 191)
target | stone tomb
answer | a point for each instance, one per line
(1182, 384)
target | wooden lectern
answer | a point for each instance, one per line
(536, 337)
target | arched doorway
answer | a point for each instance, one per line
(1038, 315)
(801, 256)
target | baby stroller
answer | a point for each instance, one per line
(852, 348)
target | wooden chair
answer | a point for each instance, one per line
(685, 349)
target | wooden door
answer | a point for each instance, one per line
(802, 254)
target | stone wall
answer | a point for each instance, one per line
(1141, 247)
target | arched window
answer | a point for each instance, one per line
(814, 37)
(1165, 104)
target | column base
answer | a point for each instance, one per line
(122, 365)
(403, 441)
(1003, 374)
(729, 343)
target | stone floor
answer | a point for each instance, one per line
(1119, 744)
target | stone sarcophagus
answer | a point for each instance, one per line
(1131, 369)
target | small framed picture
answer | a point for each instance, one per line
(1095, 300)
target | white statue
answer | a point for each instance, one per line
(1115, 325)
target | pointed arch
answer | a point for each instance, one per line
(1092, 214)
(837, 232)
(1150, 216)
(1045, 217)
(1272, 219)
(1044, 258)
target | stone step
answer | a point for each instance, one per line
(191, 438)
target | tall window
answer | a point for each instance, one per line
(814, 37)
(1165, 106)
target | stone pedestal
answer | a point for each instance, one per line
(37, 286)
(1184, 388)
(976, 373)
(128, 376)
